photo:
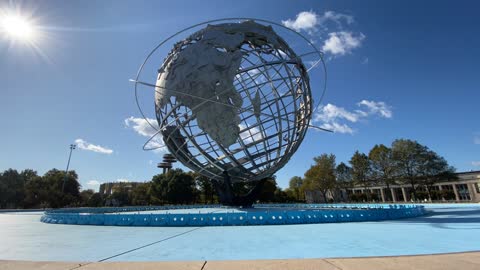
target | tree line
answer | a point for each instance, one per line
(405, 162)
(26, 189)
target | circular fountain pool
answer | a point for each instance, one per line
(216, 215)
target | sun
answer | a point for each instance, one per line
(22, 31)
(17, 27)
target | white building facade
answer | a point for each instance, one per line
(464, 189)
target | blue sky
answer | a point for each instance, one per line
(400, 69)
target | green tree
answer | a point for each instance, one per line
(28, 174)
(11, 189)
(181, 187)
(96, 200)
(242, 188)
(344, 177)
(291, 196)
(120, 196)
(408, 157)
(15, 188)
(295, 185)
(54, 180)
(321, 175)
(361, 171)
(158, 189)
(383, 167)
(268, 191)
(415, 162)
(283, 196)
(85, 196)
(434, 169)
(36, 193)
(174, 186)
(140, 194)
(205, 188)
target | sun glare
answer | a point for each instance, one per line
(17, 27)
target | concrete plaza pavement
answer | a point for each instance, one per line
(25, 242)
(464, 261)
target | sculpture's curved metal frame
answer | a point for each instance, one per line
(259, 159)
(136, 81)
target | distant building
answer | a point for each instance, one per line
(109, 188)
(465, 189)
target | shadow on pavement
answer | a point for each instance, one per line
(448, 219)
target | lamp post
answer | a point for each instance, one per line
(72, 147)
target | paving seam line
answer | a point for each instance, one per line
(138, 248)
(332, 264)
(79, 265)
(147, 245)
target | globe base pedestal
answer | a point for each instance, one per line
(228, 197)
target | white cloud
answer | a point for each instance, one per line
(476, 163)
(253, 72)
(255, 135)
(336, 17)
(84, 145)
(476, 140)
(333, 117)
(337, 128)
(341, 38)
(93, 183)
(123, 180)
(361, 113)
(305, 20)
(341, 43)
(309, 20)
(143, 128)
(331, 112)
(256, 75)
(380, 108)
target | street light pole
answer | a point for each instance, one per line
(72, 147)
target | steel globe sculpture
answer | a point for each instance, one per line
(233, 103)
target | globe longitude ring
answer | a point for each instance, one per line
(233, 98)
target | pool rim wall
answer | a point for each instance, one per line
(273, 215)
